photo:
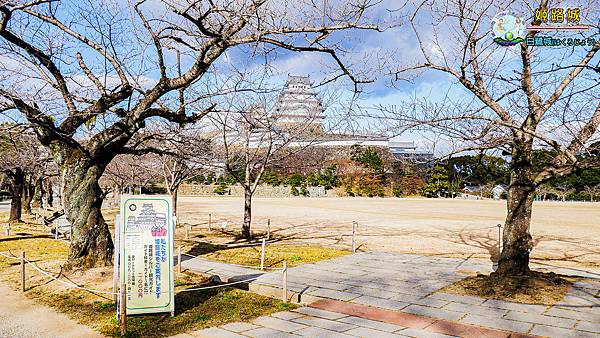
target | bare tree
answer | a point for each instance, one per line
(177, 154)
(126, 171)
(253, 140)
(22, 160)
(544, 190)
(591, 191)
(87, 106)
(517, 101)
(562, 191)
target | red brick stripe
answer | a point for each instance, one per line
(413, 321)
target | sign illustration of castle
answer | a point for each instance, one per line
(148, 220)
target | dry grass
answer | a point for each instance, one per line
(536, 288)
(275, 255)
(229, 247)
(194, 310)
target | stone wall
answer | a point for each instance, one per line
(261, 191)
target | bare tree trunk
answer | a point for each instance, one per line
(17, 179)
(517, 241)
(49, 193)
(28, 192)
(92, 243)
(174, 194)
(38, 193)
(247, 212)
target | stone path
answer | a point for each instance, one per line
(406, 284)
(348, 320)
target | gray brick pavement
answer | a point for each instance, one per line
(497, 323)
(406, 283)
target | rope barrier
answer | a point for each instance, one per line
(69, 284)
(75, 286)
(256, 267)
(7, 256)
(220, 285)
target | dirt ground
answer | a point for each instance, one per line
(22, 317)
(565, 234)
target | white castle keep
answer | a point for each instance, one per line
(298, 103)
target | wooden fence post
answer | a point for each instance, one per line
(123, 311)
(187, 232)
(268, 228)
(262, 255)
(284, 295)
(23, 271)
(179, 259)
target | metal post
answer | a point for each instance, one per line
(123, 311)
(179, 259)
(209, 222)
(284, 295)
(23, 271)
(354, 225)
(56, 230)
(262, 255)
(268, 228)
(499, 240)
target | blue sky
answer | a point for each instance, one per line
(378, 53)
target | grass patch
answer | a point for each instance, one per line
(275, 254)
(37, 247)
(536, 288)
(194, 311)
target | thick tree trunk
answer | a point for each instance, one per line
(247, 212)
(28, 192)
(39, 193)
(17, 179)
(91, 243)
(517, 241)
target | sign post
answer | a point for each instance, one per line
(116, 259)
(146, 253)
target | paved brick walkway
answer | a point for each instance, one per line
(402, 285)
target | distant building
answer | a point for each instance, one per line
(499, 191)
(473, 191)
(400, 149)
(299, 105)
(297, 120)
